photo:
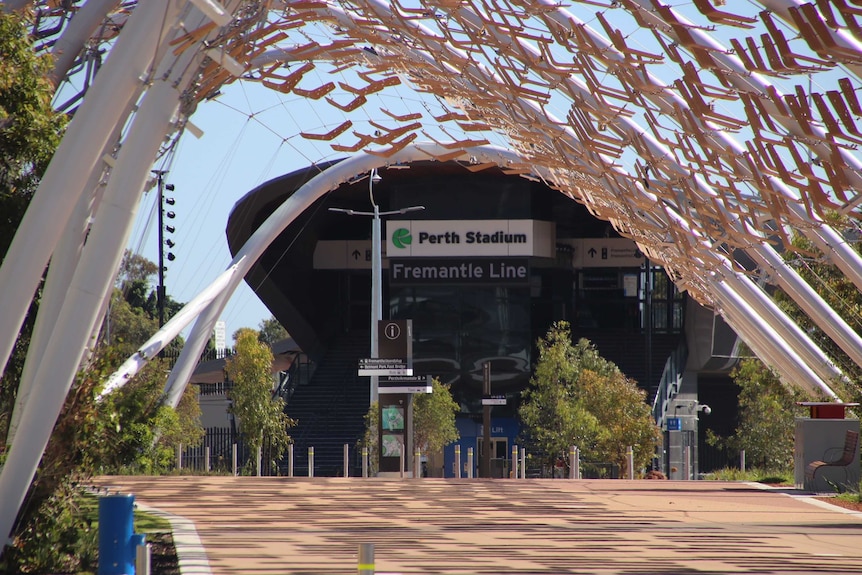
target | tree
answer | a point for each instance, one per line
(576, 397)
(434, 418)
(271, 331)
(261, 417)
(623, 416)
(30, 130)
(767, 412)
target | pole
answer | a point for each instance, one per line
(686, 464)
(458, 461)
(290, 460)
(376, 280)
(259, 457)
(523, 463)
(648, 281)
(514, 472)
(417, 463)
(573, 454)
(485, 470)
(469, 463)
(742, 460)
(577, 463)
(366, 559)
(365, 461)
(233, 459)
(630, 461)
(311, 462)
(143, 561)
(346, 460)
(160, 289)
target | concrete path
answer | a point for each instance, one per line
(250, 525)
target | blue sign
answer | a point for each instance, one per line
(674, 424)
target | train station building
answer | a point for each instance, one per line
(483, 270)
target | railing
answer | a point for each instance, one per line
(670, 381)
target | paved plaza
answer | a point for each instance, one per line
(249, 525)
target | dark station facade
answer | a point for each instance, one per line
(482, 271)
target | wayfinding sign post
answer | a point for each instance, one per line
(396, 384)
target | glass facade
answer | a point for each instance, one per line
(456, 329)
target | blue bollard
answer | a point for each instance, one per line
(116, 526)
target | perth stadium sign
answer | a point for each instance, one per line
(459, 238)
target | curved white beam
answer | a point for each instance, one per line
(759, 334)
(78, 156)
(93, 277)
(168, 332)
(79, 30)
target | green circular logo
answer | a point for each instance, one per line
(401, 238)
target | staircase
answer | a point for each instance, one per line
(330, 409)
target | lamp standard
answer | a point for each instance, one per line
(376, 263)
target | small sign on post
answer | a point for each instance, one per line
(382, 366)
(494, 400)
(405, 384)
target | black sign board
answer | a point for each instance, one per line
(395, 340)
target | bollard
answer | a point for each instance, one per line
(365, 462)
(523, 463)
(458, 461)
(514, 462)
(401, 460)
(630, 461)
(417, 464)
(469, 463)
(116, 519)
(577, 463)
(742, 460)
(233, 460)
(686, 464)
(290, 460)
(259, 457)
(311, 462)
(179, 456)
(572, 457)
(346, 460)
(366, 559)
(142, 551)
(207, 466)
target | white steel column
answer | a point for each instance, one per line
(810, 302)
(60, 272)
(78, 156)
(76, 34)
(93, 277)
(783, 326)
(759, 330)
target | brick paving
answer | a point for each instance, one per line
(271, 525)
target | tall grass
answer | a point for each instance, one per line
(758, 475)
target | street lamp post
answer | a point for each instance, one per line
(376, 263)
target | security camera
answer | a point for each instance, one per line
(704, 408)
